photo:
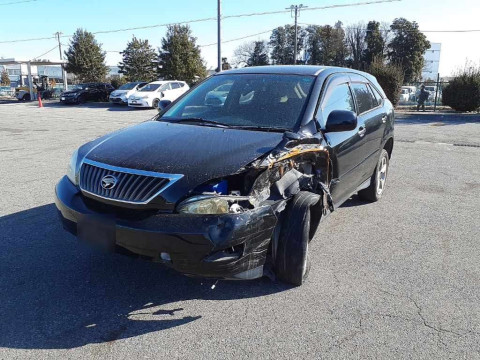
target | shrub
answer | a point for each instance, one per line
(390, 77)
(463, 92)
(118, 81)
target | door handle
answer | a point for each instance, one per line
(362, 131)
(384, 119)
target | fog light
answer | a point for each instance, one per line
(165, 256)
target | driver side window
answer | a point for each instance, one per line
(339, 99)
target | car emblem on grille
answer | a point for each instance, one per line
(109, 182)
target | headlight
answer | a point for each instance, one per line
(72, 168)
(211, 205)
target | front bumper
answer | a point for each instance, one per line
(139, 103)
(231, 246)
(69, 99)
(118, 100)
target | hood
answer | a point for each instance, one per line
(70, 92)
(199, 153)
(119, 92)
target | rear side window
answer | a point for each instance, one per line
(365, 99)
(175, 85)
(340, 99)
(378, 96)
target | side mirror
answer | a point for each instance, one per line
(341, 120)
(163, 104)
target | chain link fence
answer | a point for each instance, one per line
(411, 91)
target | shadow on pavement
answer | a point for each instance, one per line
(354, 201)
(89, 105)
(436, 118)
(56, 293)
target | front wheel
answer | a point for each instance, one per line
(300, 220)
(378, 181)
(155, 103)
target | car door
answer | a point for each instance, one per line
(94, 92)
(373, 116)
(176, 92)
(346, 146)
(165, 91)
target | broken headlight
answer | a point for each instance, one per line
(211, 205)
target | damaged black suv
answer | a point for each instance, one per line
(236, 188)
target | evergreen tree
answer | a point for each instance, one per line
(85, 57)
(326, 45)
(5, 80)
(139, 61)
(375, 43)
(408, 47)
(282, 44)
(180, 57)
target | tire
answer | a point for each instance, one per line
(26, 97)
(378, 180)
(292, 261)
(155, 103)
(81, 100)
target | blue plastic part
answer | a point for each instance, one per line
(220, 188)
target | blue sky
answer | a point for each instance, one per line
(42, 18)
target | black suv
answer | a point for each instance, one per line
(238, 189)
(87, 92)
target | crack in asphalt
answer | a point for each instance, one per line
(438, 330)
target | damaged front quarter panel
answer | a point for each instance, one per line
(299, 165)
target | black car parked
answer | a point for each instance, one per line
(236, 190)
(87, 92)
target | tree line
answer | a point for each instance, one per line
(178, 58)
(400, 44)
(358, 46)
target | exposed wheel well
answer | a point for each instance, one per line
(389, 147)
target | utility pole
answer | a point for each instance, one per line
(295, 11)
(219, 34)
(64, 75)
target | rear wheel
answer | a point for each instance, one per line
(292, 261)
(378, 181)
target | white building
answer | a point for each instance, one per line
(432, 62)
(18, 71)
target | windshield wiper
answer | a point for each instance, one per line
(198, 120)
(260, 128)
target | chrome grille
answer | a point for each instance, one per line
(132, 186)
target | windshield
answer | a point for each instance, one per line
(268, 101)
(79, 87)
(128, 86)
(150, 87)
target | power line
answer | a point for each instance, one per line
(17, 2)
(240, 38)
(211, 19)
(49, 51)
(25, 40)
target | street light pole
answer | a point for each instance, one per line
(219, 34)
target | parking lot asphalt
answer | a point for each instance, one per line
(396, 279)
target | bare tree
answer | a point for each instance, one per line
(254, 53)
(355, 39)
(387, 36)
